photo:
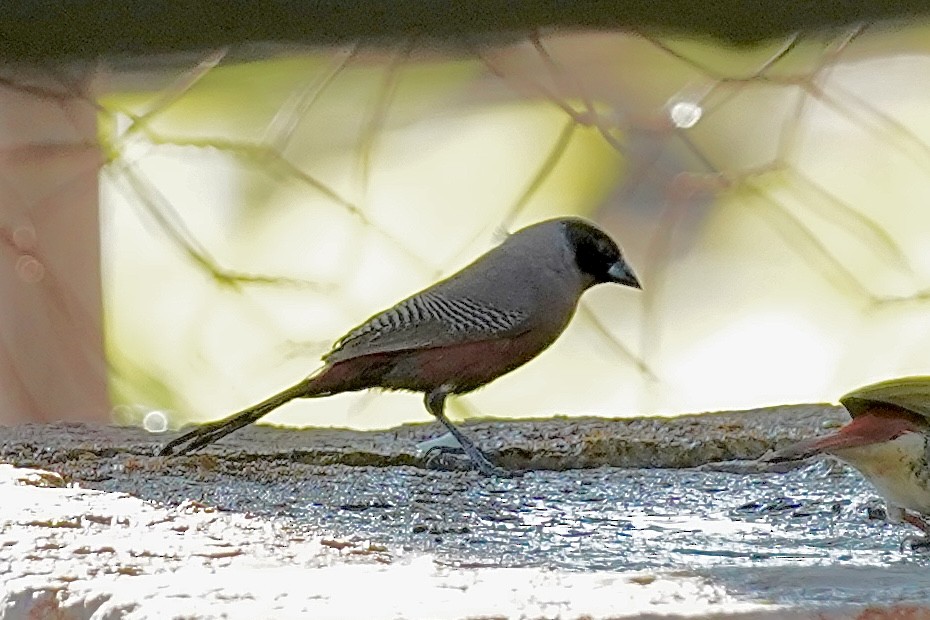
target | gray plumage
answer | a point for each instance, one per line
(530, 279)
(479, 323)
(428, 319)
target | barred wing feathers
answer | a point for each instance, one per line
(429, 319)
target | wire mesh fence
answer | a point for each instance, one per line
(256, 205)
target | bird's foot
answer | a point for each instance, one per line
(915, 542)
(489, 469)
(876, 513)
(920, 544)
(446, 458)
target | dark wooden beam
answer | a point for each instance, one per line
(44, 30)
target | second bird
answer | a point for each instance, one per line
(461, 333)
(888, 441)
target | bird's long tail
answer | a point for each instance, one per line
(208, 433)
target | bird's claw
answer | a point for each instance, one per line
(445, 458)
(914, 542)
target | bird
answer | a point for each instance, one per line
(459, 334)
(888, 442)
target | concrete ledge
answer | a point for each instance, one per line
(544, 444)
(318, 523)
(71, 553)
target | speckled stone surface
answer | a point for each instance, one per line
(640, 518)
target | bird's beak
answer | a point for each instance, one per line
(621, 273)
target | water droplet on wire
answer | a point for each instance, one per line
(685, 114)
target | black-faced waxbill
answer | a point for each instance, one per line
(491, 317)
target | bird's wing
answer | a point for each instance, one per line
(427, 320)
(909, 393)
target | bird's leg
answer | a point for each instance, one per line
(435, 402)
(913, 542)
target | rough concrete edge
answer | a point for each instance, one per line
(725, 441)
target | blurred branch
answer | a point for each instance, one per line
(43, 30)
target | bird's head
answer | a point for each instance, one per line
(597, 255)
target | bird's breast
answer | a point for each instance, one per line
(897, 468)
